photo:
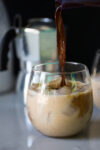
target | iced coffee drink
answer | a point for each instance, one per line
(57, 110)
(96, 89)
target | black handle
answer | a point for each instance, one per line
(4, 48)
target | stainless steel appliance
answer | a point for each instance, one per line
(33, 44)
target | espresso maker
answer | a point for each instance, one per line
(23, 47)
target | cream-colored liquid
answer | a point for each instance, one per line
(59, 115)
(96, 90)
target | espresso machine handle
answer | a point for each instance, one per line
(4, 48)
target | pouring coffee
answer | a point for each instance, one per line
(61, 36)
(59, 99)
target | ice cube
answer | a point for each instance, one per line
(64, 90)
(55, 84)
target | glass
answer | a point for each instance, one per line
(96, 79)
(59, 111)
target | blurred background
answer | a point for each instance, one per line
(83, 25)
(26, 40)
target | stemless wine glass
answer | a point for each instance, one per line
(57, 110)
(96, 79)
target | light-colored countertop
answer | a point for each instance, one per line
(17, 134)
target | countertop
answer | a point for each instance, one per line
(16, 132)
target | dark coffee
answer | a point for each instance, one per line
(61, 40)
(61, 34)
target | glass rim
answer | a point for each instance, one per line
(68, 62)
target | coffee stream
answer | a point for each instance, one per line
(61, 34)
(61, 40)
